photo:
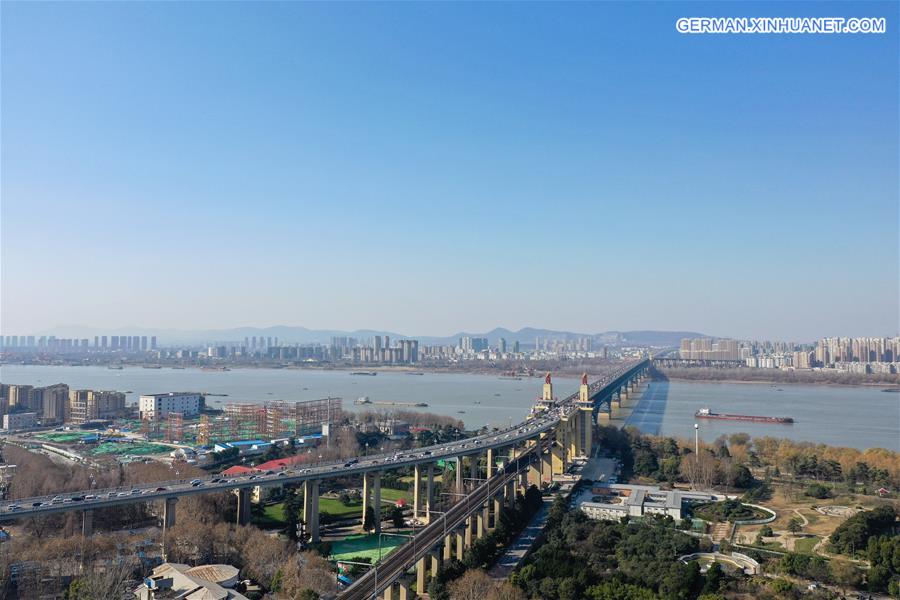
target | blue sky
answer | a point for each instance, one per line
(427, 168)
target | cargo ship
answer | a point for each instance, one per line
(705, 413)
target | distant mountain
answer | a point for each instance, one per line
(302, 335)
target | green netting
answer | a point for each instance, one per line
(138, 448)
(64, 438)
(366, 545)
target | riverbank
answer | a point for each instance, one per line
(776, 377)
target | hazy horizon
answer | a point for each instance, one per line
(435, 168)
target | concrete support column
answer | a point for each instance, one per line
(417, 490)
(460, 543)
(459, 477)
(365, 499)
(311, 509)
(243, 506)
(402, 591)
(421, 573)
(388, 593)
(435, 563)
(87, 523)
(429, 492)
(168, 521)
(473, 471)
(546, 467)
(376, 500)
(448, 547)
(479, 527)
(534, 474)
(489, 470)
(557, 458)
(169, 513)
(572, 437)
(511, 494)
(470, 531)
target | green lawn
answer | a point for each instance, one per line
(273, 517)
(806, 545)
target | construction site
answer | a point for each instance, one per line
(238, 421)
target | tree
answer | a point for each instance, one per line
(369, 519)
(845, 574)
(506, 591)
(306, 571)
(475, 584)
(715, 578)
(396, 516)
(111, 582)
(290, 512)
(795, 525)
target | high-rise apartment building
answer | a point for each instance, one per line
(90, 405)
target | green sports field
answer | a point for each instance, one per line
(366, 546)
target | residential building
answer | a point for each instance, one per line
(51, 402)
(90, 405)
(22, 420)
(158, 406)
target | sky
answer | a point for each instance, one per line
(434, 167)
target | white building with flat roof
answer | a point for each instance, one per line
(614, 501)
(158, 406)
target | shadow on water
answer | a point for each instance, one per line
(648, 415)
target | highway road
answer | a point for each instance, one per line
(109, 497)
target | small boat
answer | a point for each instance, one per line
(365, 373)
(461, 412)
(362, 400)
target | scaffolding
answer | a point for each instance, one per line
(175, 427)
(268, 421)
(311, 415)
(151, 428)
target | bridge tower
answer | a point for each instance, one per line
(585, 423)
(548, 389)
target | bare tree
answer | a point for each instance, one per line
(475, 584)
(308, 571)
(507, 591)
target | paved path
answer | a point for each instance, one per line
(516, 551)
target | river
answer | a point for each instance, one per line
(855, 416)
(483, 399)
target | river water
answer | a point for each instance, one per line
(853, 416)
(858, 417)
(484, 399)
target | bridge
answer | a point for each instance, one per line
(499, 463)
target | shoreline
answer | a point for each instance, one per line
(774, 383)
(342, 369)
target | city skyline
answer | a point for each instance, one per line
(194, 166)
